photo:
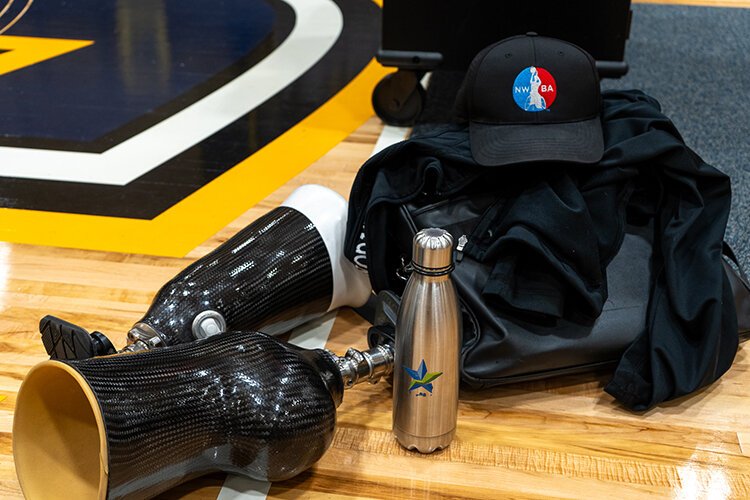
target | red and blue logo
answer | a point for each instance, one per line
(534, 89)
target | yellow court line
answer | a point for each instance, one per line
(194, 219)
(27, 50)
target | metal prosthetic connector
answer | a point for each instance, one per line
(366, 366)
(142, 338)
(67, 341)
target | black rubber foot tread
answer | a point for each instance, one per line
(64, 340)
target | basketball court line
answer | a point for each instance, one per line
(318, 24)
(197, 217)
(392, 134)
(23, 51)
(389, 136)
(243, 488)
(312, 335)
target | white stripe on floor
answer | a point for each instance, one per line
(243, 488)
(318, 24)
(390, 134)
(312, 335)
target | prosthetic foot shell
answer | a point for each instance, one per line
(132, 426)
(63, 340)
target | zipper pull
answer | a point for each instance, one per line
(405, 270)
(462, 241)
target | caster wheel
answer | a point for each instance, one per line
(398, 98)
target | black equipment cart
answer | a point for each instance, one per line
(423, 35)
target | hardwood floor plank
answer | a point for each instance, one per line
(554, 438)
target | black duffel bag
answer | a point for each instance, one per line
(503, 346)
(566, 267)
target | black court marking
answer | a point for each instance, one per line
(167, 184)
(139, 61)
(283, 24)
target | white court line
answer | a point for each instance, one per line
(389, 136)
(312, 335)
(243, 488)
(318, 24)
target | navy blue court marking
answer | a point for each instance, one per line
(166, 185)
(141, 59)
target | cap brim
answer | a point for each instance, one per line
(496, 145)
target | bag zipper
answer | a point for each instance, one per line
(462, 241)
(405, 270)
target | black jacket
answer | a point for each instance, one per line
(554, 227)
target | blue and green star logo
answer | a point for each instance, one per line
(421, 377)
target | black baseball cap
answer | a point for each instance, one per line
(532, 98)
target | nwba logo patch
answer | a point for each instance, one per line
(534, 89)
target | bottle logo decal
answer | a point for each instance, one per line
(421, 378)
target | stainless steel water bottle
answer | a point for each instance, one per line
(428, 337)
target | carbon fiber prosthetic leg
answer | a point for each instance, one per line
(134, 426)
(282, 270)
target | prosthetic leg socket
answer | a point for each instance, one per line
(282, 270)
(134, 426)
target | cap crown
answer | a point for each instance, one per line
(530, 79)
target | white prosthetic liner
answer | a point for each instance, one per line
(327, 210)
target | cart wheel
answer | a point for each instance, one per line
(398, 98)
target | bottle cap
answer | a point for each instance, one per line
(432, 253)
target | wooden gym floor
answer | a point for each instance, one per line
(558, 438)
